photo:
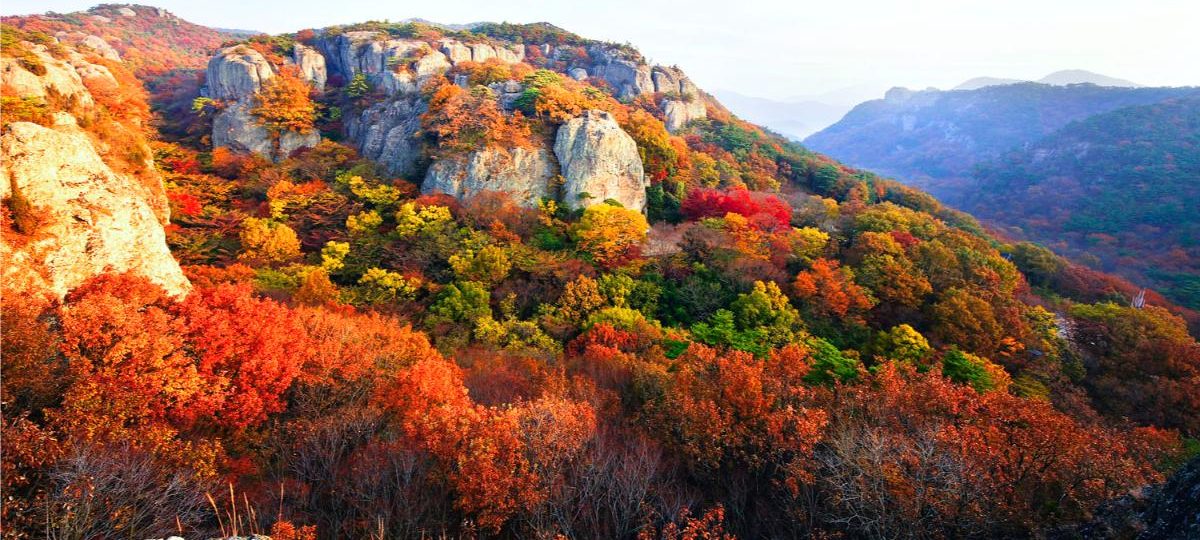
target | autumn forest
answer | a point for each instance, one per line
(520, 294)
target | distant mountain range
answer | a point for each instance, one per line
(934, 138)
(1058, 78)
(792, 119)
(801, 116)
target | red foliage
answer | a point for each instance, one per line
(765, 211)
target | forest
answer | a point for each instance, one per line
(780, 346)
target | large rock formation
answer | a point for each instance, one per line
(60, 78)
(395, 66)
(386, 132)
(525, 175)
(630, 76)
(90, 220)
(234, 76)
(599, 161)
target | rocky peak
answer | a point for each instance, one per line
(237, 73)
(524, 174)
(311, 64)
(599, 161)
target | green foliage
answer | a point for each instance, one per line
(358, 86)
(460, 302)
(489, 265)
(829, 364)
(721, 331)
(378, 286)
(964, 368)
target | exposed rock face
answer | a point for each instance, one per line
(311, 64)
(599, 161)
(91, 42)
(235, 128)
(1174, 512)
(396, 66)
(93, 220)
(235, 75)
(523, 174)
(679, 113)
(1166, 511)
(60, 78)
(386, 132)
(457, 51)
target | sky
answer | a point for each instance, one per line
(833, 50)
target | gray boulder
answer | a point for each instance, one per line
(237, 73)
(678, 113)
(599, 161)
(311, 64)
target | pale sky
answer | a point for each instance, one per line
(783, 49)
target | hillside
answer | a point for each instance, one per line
(507, 281)
(933, 139)
(151, 41)
(1118, 189)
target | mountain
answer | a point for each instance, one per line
(512, 282)
(1120, 189)
(150, 40)
(1079, 76)
(793, 119)
(1058, 78)
(980, 82)
(934, 138)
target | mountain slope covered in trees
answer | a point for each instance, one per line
(780, 346)
(1118, 189)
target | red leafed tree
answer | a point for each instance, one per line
(766, 211)
(256, 347)
(128, 362)
(829, 291)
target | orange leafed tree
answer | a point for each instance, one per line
(284, 103)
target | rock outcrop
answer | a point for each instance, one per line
(387, 133)
(60, 78)
(679, 113)
(396, 66)
(234, 76)
(90, 220)
(599, 161)
(458, 51)
(525, 175)
(311, 64)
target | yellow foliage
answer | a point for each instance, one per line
(611, 234)
(268, 242)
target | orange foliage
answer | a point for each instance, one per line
(466, 121)
(830, 291)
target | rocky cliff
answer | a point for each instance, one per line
(89, 219)
(596, 159)
(234, 76)
(73, 215)
(630, 76)
(524, 174)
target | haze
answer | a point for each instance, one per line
(787, 50)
